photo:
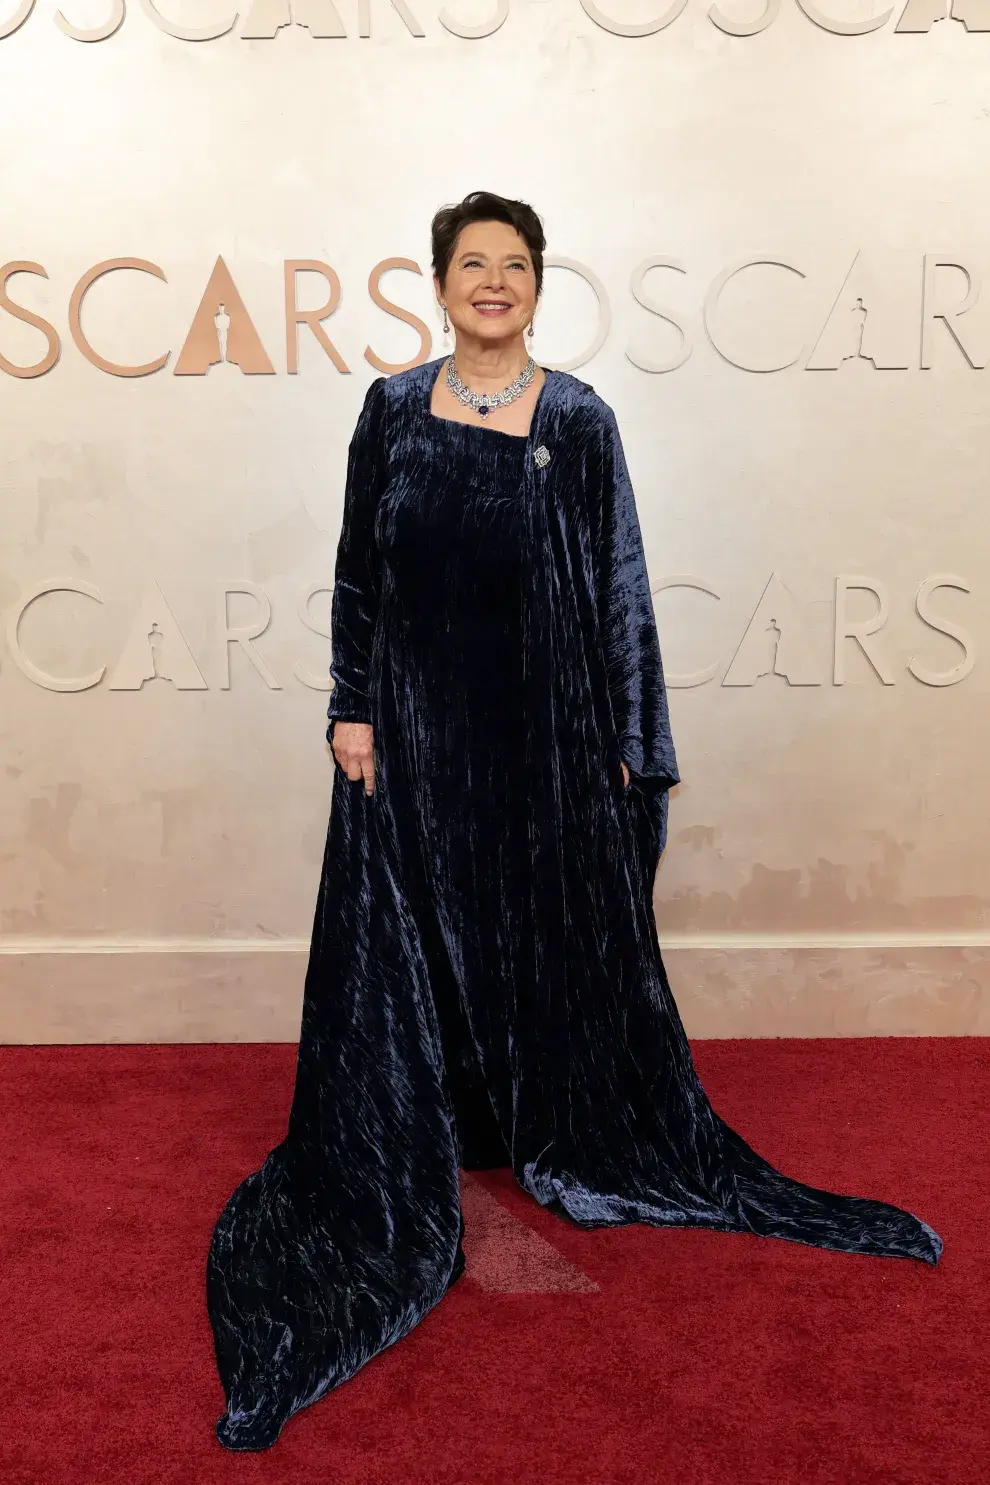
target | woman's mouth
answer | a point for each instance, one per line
(492, 307)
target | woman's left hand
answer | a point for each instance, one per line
(625, 774)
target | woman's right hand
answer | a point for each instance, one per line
(354, 750)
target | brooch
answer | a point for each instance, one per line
(541, 456)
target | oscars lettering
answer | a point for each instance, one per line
(265, 20)
(779, 644)
(881, 314)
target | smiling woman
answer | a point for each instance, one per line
(485, 986)
(488, 279)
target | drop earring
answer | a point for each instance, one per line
(446, 323)
(530, 332)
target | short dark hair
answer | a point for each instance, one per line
(485, 206)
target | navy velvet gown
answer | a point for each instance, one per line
(485, 986)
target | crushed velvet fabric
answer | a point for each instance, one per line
(485, 985)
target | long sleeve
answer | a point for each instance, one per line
(629, 632)
(357, 570)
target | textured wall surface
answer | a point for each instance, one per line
(766, 251)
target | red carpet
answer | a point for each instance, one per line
(563, 1357)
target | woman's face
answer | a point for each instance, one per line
(490, 292)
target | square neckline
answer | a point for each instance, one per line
(516, 437)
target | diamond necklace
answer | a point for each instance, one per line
(482, 402)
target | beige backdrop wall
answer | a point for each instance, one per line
(767, 230)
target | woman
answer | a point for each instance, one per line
(485, 986)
